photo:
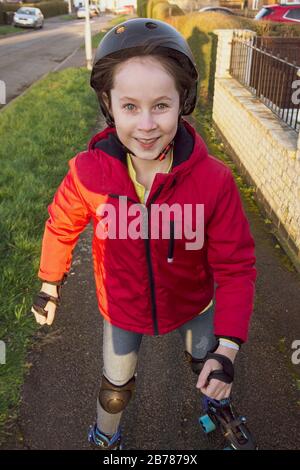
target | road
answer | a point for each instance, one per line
(65, 362)
(24, 58)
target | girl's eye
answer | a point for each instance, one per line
(126, 106)
(162, 104)
(130, 106)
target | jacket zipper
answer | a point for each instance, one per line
(149, 264)
(171, 243)
(148, 257)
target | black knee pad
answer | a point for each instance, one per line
(115, 398)
(196, 364)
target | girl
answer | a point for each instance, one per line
(150, 187)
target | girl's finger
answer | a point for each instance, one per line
(50, 307)
(39, 318)
(220, 396)
(202, 379)
(228, 392)
(217, 389)
(210, 391)
(223, 393)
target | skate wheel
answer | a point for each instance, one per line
(207, 424)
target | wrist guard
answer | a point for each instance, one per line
(227, 373)
(42, 298)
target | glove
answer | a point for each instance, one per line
(46, 302)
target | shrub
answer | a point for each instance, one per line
(50, 8)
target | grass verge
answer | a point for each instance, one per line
(4, 30)
(39, 133)
(71, 17)
(96, 38)
(45, 128)
(204, 126)
(203, 123)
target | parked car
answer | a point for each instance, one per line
(284, 13)
(124, 10)
(28, 17)
(94, 10)
(81, 12)
(224, 10)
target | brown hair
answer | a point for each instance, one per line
(174, 63)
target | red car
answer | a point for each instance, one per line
(124, 10)
(284, 13)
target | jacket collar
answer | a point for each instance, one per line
(103, 168)
(186, 144)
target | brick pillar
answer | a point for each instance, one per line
(298, 148)
(224, 49)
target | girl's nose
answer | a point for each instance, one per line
(146, 121)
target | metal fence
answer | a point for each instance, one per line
(269, 75)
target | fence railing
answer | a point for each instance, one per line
(269, 77)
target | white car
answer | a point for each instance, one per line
(28, 17)
(224, 10)
(81, 12)
(94, 10)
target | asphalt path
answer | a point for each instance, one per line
(65, 367)
(24, 58)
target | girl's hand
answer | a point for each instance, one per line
(215, 388)
(50, 306)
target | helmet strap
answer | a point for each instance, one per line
(164, 153)
(160, 157)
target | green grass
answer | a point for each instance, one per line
(4, 30)
(96, 38)
(203, 124)
(39, 133)
(197, 29)
(120, 18)
(68, 17)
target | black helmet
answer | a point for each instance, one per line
(141, 32)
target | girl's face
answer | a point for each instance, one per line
(144, 105)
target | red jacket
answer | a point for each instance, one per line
(137, 288)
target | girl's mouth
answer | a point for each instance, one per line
(147, 144)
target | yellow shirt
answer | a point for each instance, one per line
(143, 193)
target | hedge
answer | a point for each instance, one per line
(162, 10)
(150, 6)
(197, 29)
(142, 8)
(50, 8)
(176, 10)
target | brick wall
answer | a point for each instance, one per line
(267, 151)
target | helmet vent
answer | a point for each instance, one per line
(151, 25)
(120, 30)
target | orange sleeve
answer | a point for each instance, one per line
(69, 215)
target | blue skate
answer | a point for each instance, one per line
(233, 427)
(100, 441)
